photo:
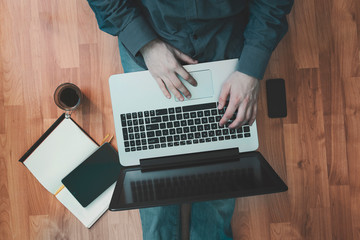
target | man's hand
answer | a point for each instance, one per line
(243, 91)
(162, 61)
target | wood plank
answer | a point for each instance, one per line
(341, 212)
(304, 34)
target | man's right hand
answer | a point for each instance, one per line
(163, 62)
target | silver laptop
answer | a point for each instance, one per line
(148, 125)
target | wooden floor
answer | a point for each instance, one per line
(316, 149)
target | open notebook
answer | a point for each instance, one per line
(60, 150)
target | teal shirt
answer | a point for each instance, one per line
(207, 30)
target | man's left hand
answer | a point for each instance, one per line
(243, 90)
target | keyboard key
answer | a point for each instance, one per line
(214, 139)
(144, 148)
(172, 131)
(195, 141)
(132, 143)
(186, 115)
(165, 118)
(143, 142)
(169, 138)
(188, 142)
(193, 129)
(126, 144)
(155, 119)
(122, 117)
(247, 135)
(246, 129)
(199, 107)
(214, 126)
(179, 130)
(200, 128)
(239, 130)
(204, 120)
(165, 132)
(134, 115)
(171, 110)
(137, 135)
(232, 131)
(150, 134)
(158, 133)
(204, 134)
(152, 127)
(127, 149)
(169, 125)
(137, 142)
(147, 120)
(153, 140)
(190, 122)
(193, 114)
(207, 113)
(179, 117)
(178, 109)
(190, 136)
(240, 136)
(129, 123)
(170, 144)
(131, 136)
(183, 123)
(183, 137)
(207, 126)
(186, 129)
(163, 145)
(176, 138)
(218, 132)
(197, 135)
(197, 121)
(146, 114)
(161, 112)
(162, 139)
(177, 124)
(211, 133)
(225, 131)
(218, 118)
(176, 143)
(157, 145)
(233, 136)
(151, 147)
(221, 138)
(182, 143)
(128, 116)
(213, 112)
(123, 123)
(227, 137)
(200, 114)
(162, 125)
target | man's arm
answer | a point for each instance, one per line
(124, 19)
(267, 25)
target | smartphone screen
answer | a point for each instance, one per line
(276, 98)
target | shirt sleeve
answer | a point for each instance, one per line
(266, 27)
(123, 18)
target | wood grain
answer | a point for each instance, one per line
(315, 149)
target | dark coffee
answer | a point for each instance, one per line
(69, 97)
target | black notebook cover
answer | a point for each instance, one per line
(93, 176)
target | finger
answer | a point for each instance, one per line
(173, 89)
(232, 107)
(254, 113)
(163, 88)
(186, 76)
(240, 117)
(185, 58)
(179, 85)
(225, 90)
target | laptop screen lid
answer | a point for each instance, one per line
(242, 175)
(136, 93)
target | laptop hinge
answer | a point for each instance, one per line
(187, 160)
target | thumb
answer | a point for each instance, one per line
(224, 95)
(185, 58)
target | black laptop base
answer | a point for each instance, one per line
(213, 177)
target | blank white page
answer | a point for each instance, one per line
(63, 150)
(93, 211)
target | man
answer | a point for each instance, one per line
(161, 35)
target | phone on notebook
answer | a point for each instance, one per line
(93, 176)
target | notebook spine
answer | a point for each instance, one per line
(42, 138)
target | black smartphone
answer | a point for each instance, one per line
(276, 98)
(93, 176)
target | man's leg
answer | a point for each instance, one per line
(212, 219)
(157, 222)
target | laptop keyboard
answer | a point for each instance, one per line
(189, 185)
(179, 126)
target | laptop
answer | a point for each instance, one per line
(175, 151)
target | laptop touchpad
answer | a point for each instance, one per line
(204, 89)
